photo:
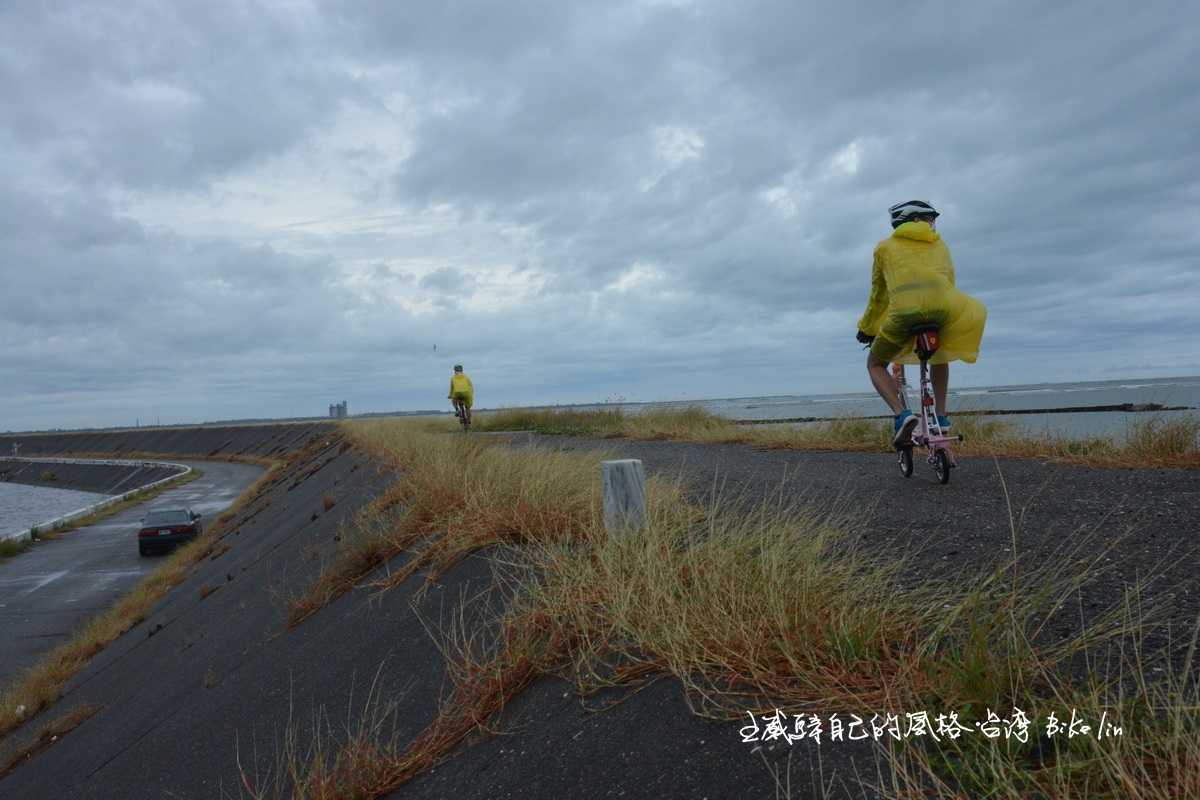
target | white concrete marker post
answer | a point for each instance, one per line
(624, 495)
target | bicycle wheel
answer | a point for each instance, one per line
(906, 462)
(941, 466)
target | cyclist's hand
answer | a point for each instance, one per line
(864, 337)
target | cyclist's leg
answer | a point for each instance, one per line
(882, 381)
(883, 350)
(940, 375)
(467, 411)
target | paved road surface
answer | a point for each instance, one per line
(47, 592)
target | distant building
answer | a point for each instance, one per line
(338, 410)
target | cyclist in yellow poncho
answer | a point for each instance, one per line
(462, 393)
(912, 284)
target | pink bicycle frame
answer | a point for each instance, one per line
(928, 433)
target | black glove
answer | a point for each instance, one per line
(864, 338)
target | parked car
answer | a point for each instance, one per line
(164, 528)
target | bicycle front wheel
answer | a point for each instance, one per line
(941, 466)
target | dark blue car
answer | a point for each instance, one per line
(167, 527)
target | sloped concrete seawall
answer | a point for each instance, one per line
(224, 664)
(111, 477)
(252, 441)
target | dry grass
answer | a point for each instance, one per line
(458, 496)
(774, 609)
(1149, 441)
(42, 684)
(320, 768)
(1154, 756)
(10, 548)
(369, 760)
(49, 735)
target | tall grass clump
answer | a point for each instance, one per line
(13, 547)
(605, 423)
(1165, 437)
(1147, 749)
(456, 495)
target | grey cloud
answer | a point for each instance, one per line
(448, 280)
(742, 154)
(162, 95)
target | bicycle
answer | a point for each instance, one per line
(464, 416)
(928, 433)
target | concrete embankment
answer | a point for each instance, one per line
(253, 441)
(211, 672)
(109, 478)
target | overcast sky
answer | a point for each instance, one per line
(220, 210)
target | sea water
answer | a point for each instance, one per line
(22, 507)
(1161, 391)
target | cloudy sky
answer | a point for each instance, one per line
(219, 210)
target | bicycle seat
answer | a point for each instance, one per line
(927, 340)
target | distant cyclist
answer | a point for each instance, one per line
(912, 284)
(462, 393)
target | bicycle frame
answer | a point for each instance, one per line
(928, 432)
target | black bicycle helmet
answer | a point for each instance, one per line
(903, 212)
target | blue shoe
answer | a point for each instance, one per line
(943, 423)
(905, 422)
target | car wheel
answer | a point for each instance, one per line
(143, 550)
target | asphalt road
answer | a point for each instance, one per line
(48, 591)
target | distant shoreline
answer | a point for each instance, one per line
(960, 393)
(1131, 408)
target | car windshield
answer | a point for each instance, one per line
(176, 516)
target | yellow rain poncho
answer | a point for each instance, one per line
(461, 388)
(912, 283)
